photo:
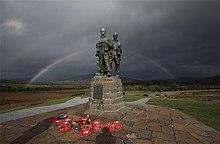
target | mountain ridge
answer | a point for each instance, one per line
(85, 80)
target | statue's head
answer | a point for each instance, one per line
(115, 36)
(103, 31)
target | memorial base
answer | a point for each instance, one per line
(106, 98)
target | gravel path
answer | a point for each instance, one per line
(140, 102)
(37, 110)
(4, 117)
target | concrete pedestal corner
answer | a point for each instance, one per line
(106, 98)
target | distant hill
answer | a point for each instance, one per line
(19, 80)
(130, 79)
(78, 78)
(205, 80)
(85, 80)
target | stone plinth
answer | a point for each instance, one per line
(106, 98)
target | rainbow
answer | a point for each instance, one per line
(45, 69)
(158, 65)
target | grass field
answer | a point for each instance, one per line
(202, 95)
(204, 111)
(14, 100)
(128, 98)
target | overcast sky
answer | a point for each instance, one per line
(161, 39)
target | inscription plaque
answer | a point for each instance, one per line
(98, 91)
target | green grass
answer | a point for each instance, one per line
(131, 98)
(141, 92)
(206, 112)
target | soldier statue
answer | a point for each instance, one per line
(115, 53)
(103, 47)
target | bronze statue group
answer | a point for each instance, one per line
(108, 51)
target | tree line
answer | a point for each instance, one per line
(12, 88)
(166, 86)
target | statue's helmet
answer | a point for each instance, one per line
(115, 36)
(103, 31)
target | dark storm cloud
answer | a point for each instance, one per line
(160, 39)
